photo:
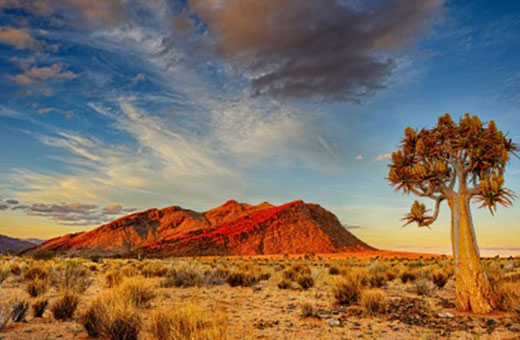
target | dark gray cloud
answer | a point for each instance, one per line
(4, 207)
(331, 49)
(73, 214)
(12, 201)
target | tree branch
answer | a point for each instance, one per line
(433, 218)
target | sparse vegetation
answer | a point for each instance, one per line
(118, 301)
(19, 308)
(347, 289)
(39, 307)
(372, 300)
(65, 306)
(188, 322)
(308, 310)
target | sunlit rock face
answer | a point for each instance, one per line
(230, 229)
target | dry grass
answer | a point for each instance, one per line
(39, 307)
(305, 281)
(18, 309)
(372, 300)
(71, 276)
(37, 287)
(137, 291)
(347, 289)
(188, 322)
(440, 278)
(65, 306)
(241, 278)
(308, 310)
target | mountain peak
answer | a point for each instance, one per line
(230, 229)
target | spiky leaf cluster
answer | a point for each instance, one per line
(432, 161)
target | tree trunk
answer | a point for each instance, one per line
(472, 289)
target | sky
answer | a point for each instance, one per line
(109, 107)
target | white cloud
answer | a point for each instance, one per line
(359, 157)
(383, 156)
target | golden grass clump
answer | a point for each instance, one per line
(65, 306)
(137, 291)
(372, 300)
(185, 276)
(188, 322)
(347, 289)
(111, 317)
(408, 276)
(39, 307)
(36, 272)
(72, 276)
(308, 310)
(154, 269)
(422, 287)
(113, 278)
(37, 287)
(440, 278)
(241, 278)
(4, 273)
(305, 281)
(508, 293)
(18, 309)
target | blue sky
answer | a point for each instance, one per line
(115, 106)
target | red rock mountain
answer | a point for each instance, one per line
(230, 229)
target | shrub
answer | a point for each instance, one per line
(65, 306)
(18, 309)
(308, 310)
(183, 277)
(390, 275)
(36, 272)
(408, 276)
(112, 318)
(333, 270)
(347, 290)
(295, 271)
(305, 281)
(37, 287)
(372, 300)
(4, 274)
(16, 270)
(72, 276)
(422, 287)
(189, 322)
(284, 284)
(508, 294)
(92, 318)
(137, 291)
(377, 280)
(440, 278)
(113, 278)
(154, 269)
(241, 279)
(4, 319)
(39, 307)
(122, 323)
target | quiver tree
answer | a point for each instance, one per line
(456, 163)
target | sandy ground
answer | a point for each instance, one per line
(267, 312)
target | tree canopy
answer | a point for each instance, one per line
(468, 158)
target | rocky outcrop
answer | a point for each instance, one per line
(230, 229)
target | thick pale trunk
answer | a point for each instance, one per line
(473, 292)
